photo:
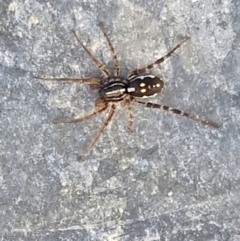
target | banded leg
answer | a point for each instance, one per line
(104, 126)
(101, 67)
(130, 115)
(88, 117)
(178, 112)
(154, 64)
(90, 81)
(117, 66)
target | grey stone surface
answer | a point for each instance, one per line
(171, 179)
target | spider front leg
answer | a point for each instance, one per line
(101, 106)
(100, 132)
(178, 112)
(117, 66)
(137, 72)
(100, 66)
(87, 81)
(94, 83)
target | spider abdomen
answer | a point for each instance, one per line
(145, 86)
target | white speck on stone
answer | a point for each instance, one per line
(49, 4)
(144, 165)
(170, 193)
(33, 20)
(19, 34)
(96, 45)
(12, 7)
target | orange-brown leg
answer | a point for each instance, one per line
(88, 117)
(117, 66)
(104, 126)
(101, 67)
(89, 81)
(100, 104)
(178, 112)
(130, 114)
(154, 64)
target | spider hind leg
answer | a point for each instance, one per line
(178, 112)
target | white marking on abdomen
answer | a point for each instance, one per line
(131, 89)
(145, 76)
(149, 96)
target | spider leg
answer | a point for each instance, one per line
(117, 66)
(88, 117)
(101, 67)
(178, 112)
(154, 64)
(104, 126)
(130, 115)
(89, 81)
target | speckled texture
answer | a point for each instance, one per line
(171, 179)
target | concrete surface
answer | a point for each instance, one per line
(171, 179)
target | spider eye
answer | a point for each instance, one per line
(145, 86)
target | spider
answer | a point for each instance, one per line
(114, 89)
